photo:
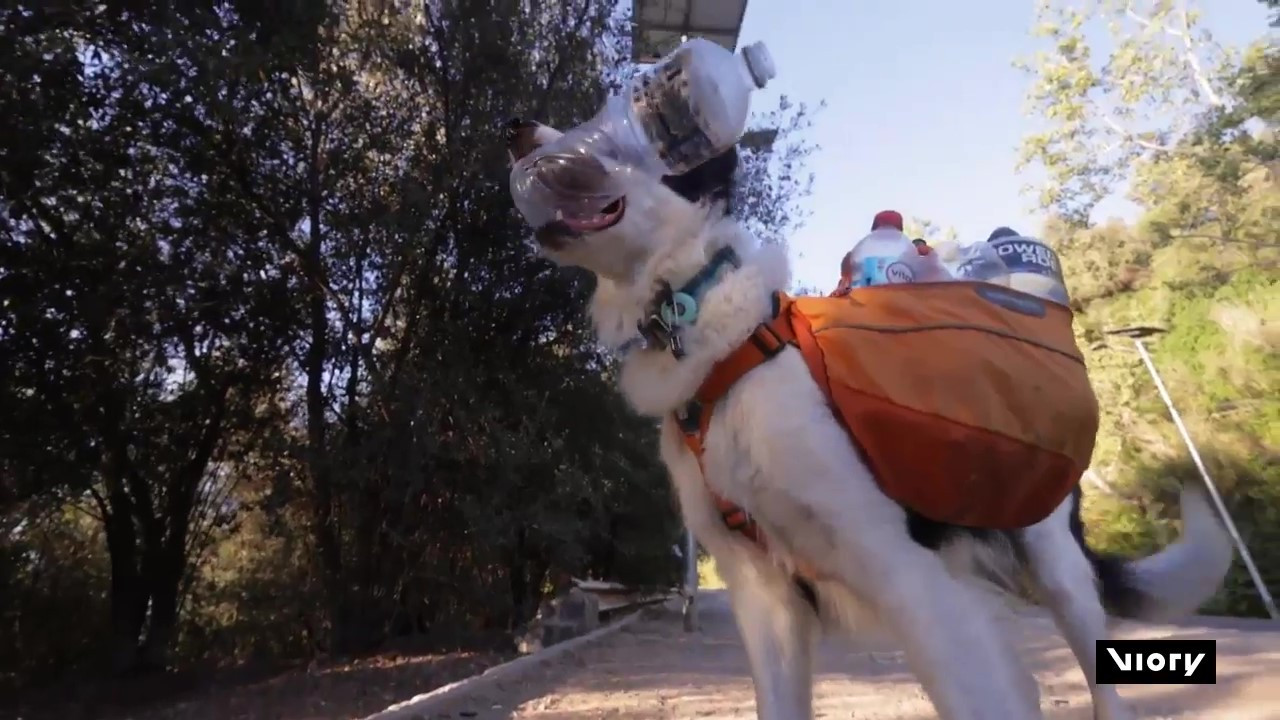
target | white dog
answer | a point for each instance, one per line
(775, 449)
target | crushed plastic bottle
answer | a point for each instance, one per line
(921, 264)
(1034, 267)
(688, 108)
(979, 262)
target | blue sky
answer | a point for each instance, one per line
(924, 111)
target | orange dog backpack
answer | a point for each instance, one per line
(970, 402)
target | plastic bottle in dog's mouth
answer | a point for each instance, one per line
(689, 107)
(574, 180)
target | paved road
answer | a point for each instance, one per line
(652, 669)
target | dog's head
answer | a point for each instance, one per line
(622, 236)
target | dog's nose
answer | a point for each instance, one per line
(521, 137)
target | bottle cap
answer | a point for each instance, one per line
(760, 63)
(891, 218)
(1002, 232)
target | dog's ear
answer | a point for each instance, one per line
(525, 136)
(710, 181)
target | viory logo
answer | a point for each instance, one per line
(1158, 662)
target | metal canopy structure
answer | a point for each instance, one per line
(658, 26)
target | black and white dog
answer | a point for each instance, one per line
(775, 448)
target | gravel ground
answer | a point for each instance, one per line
(652, 669)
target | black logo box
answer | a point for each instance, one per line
(1157, 662)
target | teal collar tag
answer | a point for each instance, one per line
(674, 309)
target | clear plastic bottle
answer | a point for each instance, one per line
(921, 264)
(979, 262)
(1034, 267)
(686, 109)
(876, 258)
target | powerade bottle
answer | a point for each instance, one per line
(876, 257)
(1034, 267)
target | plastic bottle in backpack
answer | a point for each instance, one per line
(921, 263)
(1034, 267)
(979, 262)
(875, 258)
(689, 107)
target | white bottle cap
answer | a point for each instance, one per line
(760, 63)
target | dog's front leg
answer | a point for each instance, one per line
(777, 628)
(776, 624)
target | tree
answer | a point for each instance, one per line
(138, 322)
(1188, 128)
(1274, 5)
(1162, 73)
(772, 180)
(286, 376)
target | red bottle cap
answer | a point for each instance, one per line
(891, 218)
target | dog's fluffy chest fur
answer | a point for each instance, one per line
(654, 382)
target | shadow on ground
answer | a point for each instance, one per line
(319, 691)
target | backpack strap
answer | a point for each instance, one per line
(765, 343)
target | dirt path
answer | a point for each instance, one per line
(652, 669)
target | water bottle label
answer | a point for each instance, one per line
(661, 105)
(1021, 255)
(885, 271)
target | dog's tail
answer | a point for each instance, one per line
(1176, 581)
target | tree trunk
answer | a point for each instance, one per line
(128, 596)
(518, 587)
(325, 523)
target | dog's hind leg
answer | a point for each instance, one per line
(819, 500)
(1062, 572)
(951, 639)
(777, 628)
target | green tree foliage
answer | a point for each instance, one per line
(1188, 129)
(283, 375)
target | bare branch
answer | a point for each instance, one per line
(1193, 60)
(1189, 55)
(1096, 480)
(1131, 136)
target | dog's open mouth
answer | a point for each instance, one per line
(608, 216)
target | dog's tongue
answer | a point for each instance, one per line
(595, 223)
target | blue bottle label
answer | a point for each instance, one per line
(885, 270)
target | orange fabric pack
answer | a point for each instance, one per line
(970, 402)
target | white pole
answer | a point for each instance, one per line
(1208, 482)
(690, 582)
